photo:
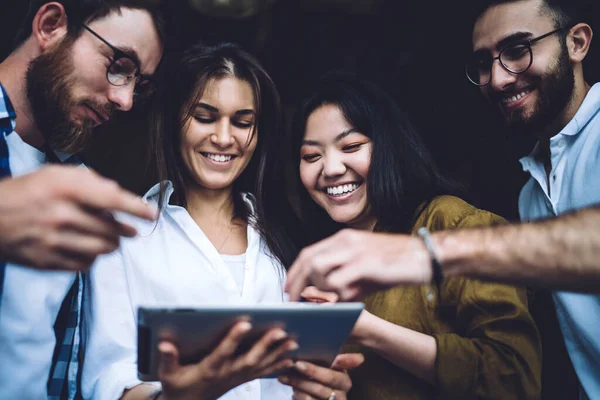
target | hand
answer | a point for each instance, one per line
(222, 370)
(354, 264)
(57, 218)
(314, 382)
(314, 295)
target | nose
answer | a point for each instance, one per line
(222, 136)
(122, 96)
(333, 166)
(501, 78)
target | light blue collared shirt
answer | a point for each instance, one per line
(574, 183)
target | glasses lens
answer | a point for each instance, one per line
(121, 71)
(516, 58)
(478, 70)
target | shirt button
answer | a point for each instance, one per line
(554, 178)
(248, 387)
(561, 143)
(430, 296)
(248, 266)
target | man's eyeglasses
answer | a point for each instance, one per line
(123, 69)
(515, 58)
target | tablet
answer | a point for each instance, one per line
(319, 329)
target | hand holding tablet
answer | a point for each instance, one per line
(222, 370)
(214, 335)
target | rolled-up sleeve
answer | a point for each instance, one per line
(110, 364)
(498, 356)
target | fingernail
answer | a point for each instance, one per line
(283, 379)
(163, 347)
(293, 346)
(301, 366)
(245, 326)
(280, 335)
(144, 200)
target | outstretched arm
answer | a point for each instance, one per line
(559, 253)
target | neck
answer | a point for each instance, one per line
(12, 76)
(580, 90)
(207, 206)
(364, 224)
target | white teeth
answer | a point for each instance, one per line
(342, 189)
(516, 97)
(218, 157)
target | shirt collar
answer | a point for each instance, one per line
(153, 195)
(7, 111)
(588, 109)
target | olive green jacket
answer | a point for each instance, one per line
(488, 346)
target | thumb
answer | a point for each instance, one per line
(347, 361)
(169, 358)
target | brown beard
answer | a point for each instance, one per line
(50, 81)
(555, 90)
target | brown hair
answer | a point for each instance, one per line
(84, 11)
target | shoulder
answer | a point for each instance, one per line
(449, 212)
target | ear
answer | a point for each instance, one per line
(579, 39)
(49, 25)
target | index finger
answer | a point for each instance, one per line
(90, 189)
(313, 264)
(336, 380)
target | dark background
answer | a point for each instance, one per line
(414, 49)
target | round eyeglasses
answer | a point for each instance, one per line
(123, 69)
(515, 58)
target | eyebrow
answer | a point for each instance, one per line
(210, 108)
(337, 138)
(513, 38)
(131, 53)
(507, 41)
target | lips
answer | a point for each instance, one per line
(513, 97)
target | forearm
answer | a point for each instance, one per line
(560, 253)
(142, 392)
(410, 350)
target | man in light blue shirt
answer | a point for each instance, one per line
(527, 59)
(76, 63)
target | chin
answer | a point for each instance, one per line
(343, 218)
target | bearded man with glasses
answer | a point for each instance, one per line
(527, 61)
(75, 64)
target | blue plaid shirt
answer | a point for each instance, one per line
(64, 378)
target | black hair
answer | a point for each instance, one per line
(565, 13)
(402, 174)
(262, 177)
(85, 11)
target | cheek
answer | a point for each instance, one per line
(308, 175)
(363, 163)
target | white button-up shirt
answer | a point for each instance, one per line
(574, 182)
(31, 300)
(171, 264)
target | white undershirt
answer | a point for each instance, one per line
(236, 265)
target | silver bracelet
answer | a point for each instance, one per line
(436, 267)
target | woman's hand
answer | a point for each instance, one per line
(312, 382)
(222, 370)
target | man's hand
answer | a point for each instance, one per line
(354, 264)
(59, 218)
(313, 382)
